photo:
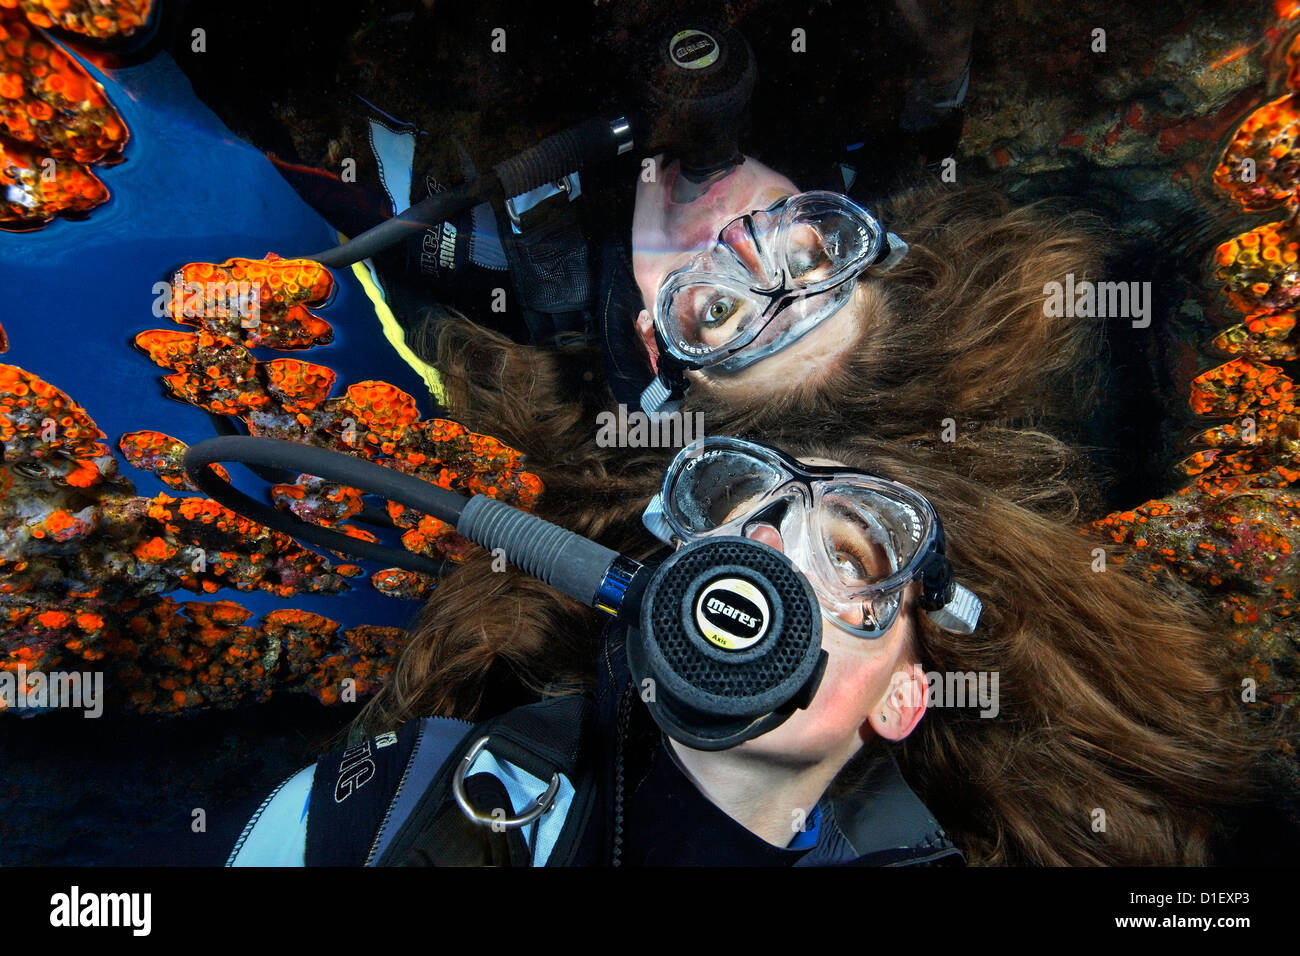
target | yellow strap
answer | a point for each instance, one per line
(396, 336)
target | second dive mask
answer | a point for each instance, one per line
(769, 278)
(859, 539)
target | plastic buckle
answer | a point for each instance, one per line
(655, 521)
(525, 209)
(961, 614)
(656, 397)
(897, 252)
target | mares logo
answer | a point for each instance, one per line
(732, 614)
(715, 607)
(693, 49)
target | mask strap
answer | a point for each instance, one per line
(948, 604)
(897, 251)
(669, 384)
(655, 521)
(657, 397)
(960, 614)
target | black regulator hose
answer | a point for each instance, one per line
(564, 560)
(410, 222)
(567, 151)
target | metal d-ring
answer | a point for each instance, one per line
(543, 803)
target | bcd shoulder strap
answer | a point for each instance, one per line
(388, 800)
(542, 739)
(357, 790)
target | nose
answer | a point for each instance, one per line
(765, 534)
(738, 239)
(853, 615)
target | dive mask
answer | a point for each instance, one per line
(769, 278)
(859, 539)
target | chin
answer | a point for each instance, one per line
(801, 742)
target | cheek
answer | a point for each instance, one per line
(774, 185)
(647, 263)
(852, 682)
(849, 688)
(649, 254)
(645, 282)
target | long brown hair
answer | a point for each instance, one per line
(1116, 736)
(533, 640)
(955, 338)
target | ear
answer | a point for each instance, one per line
(645, 327)
(903, 704)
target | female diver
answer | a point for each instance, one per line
(1108, 738)
(760, 802)
(937, 322)
(757, 291)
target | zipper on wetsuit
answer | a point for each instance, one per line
(415, 750)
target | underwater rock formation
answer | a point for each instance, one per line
(255, 302)
(1266, 335)
(86, 566)
(54, 121)
(94, 19)
(1259, 168)
(31, 198)
(50, 102)
(1234, 531)
(1156, 89)
(161, 454)
(288, 399)
(82, 558)
(1258, 268)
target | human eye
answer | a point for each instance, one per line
(854, 564)
(719, 316)
(719, 311)
(849, 563)
(858, 559)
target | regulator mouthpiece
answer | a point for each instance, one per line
(695, 82)
(730, 642)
